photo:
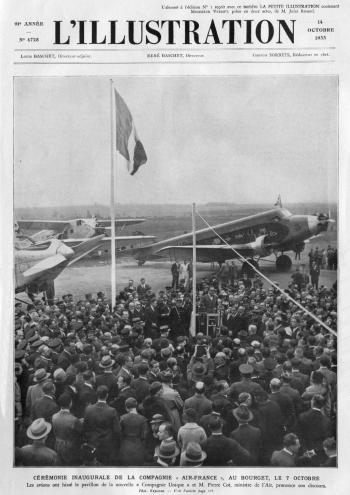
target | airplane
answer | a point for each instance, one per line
(74, 231)
(38, 265)
(274, 231)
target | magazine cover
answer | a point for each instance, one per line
(174, 269)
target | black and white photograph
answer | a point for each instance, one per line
(176, 264)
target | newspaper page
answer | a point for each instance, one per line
(174, 188)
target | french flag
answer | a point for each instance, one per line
(127, 141)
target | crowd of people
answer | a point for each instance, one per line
(324, 258)
(130, 386)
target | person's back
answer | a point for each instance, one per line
(38, 455)
(190, 431)
(222, 450)
(249, 437)
(199, 402)
(102, 427)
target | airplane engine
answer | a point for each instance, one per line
(261, 246)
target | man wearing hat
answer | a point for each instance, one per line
(247, 435)
(152, 440)
(166, 453)
(193, 456)
(37, 454)
(35, 391)
(245, 384)
(107, 378)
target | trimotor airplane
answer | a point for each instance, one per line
(255, 236)
(37, 266)
(72, 232)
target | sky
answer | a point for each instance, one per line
(239, 139)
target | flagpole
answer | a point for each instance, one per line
(194, 272)
(112, 211)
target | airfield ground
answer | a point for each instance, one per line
(82, 279)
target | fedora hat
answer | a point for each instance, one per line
(242, 414)
(106, 362)
(167, 449)
(38, 429)
(199, 369)
(40, 375)
(194, 453)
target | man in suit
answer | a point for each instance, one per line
(314, 426)
(199, 401)
(175, 272)
(107, 377)
(46, 406)
(141, 384)
(209, 301)
(125, 391)
(151, 319)
(102, 428)
(86, 393)
(37, 453)
(330, 448)
(67, 430)
(270, 423)
(284, 402)
(287, 456)
(246, 435)
(142, 288)
(223, 451)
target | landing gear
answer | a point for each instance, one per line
(283, 263)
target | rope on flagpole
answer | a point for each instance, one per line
(242, 258)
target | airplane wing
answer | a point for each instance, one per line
(42, 267)
(56, 225)
(120, 221)
(74, 242)
(209, 253)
